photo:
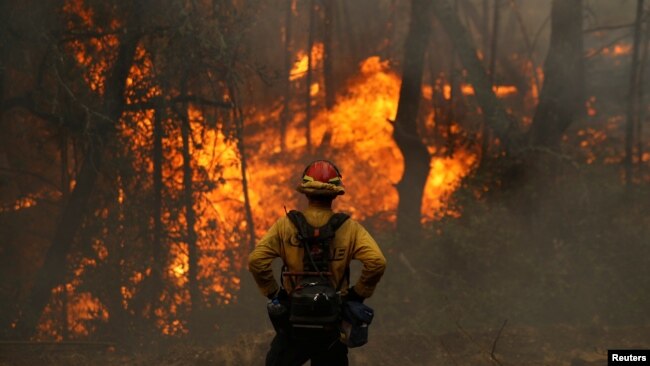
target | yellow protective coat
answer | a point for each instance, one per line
(352, 241)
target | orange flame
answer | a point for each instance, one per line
(300, 67)
(95, 54)
(356, 134)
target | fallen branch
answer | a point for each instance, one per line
(494, 344)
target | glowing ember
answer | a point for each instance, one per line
(19, 204)
(590, 105)
(618, 50)
(501, 91)
(427, 92)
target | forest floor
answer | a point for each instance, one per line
(516, 345)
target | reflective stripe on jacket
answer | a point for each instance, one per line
(352, 241)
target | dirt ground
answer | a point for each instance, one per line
(515, 345)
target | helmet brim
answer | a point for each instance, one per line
(316, 188)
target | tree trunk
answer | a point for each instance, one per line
(526, 37)
(632, 94)
(485, 25)
(288, 63)
(494, 41)
(310, 45)
(65, 190)
(562, 95)
(640, 98)
(328, 59)
(415, 153)
(190, 218)
(495, 115)
(54, 267)
(156, 245)
(239, 130)
(350, 35)
(486, 135)
(454, 100)
(560, 103)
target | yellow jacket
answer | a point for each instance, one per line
(352, 241)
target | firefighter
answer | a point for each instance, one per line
(321, 184)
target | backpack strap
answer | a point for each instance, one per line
(298, 220)
(337, 220)
(309, 235)
(308, 232)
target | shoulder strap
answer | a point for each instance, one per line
(306, 231)
(337, 220)
(298, 220)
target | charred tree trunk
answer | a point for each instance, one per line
(561, 98)
(641, 96)
(248, 288)
(527, 42)
(486, 136)
(494, 41)
(415, 153)
(190, 218)
(288, 62)
(238, 117)
(157, 248)
(485, 25)
(349, 37)
(310, 45)
(495, 115)
(628, 162)
(65, 191)
(101, 134)
(560, 103)
(454, 93)
(328, 59)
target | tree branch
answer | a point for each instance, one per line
(494, 344)
(27, 102)
(195, 99)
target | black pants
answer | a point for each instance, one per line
(287, 351)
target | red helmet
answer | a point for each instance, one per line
(323, 171)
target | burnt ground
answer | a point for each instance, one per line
(516, 345)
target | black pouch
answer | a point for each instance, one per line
(356, 319)
(315, 312)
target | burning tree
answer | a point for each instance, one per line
(147, 145)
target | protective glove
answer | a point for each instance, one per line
(280, 296)
(277, 304)
(354, 296)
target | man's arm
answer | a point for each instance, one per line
(260, 259)
(367, 251)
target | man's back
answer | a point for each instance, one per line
(352, 241)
